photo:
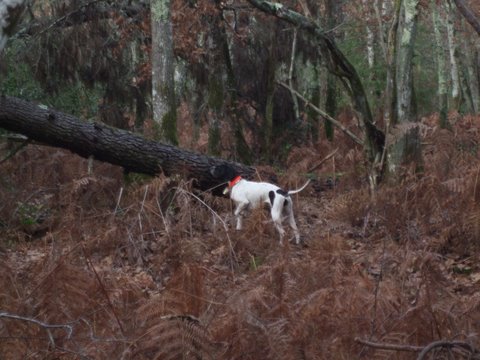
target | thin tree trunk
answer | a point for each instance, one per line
(296, 109)
(389, 112)
(332, 12)
(105, 143)
(270, 89)
(330, 104)
(472, 72)
(404, 146)
(381, 29)
(442, 91)
(453, 52)
(242, 150)
(10, 14)
(404, 74)
(215, 104)
(216, 84)
(370, 36)
(163, 69)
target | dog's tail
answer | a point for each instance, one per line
(291, 192)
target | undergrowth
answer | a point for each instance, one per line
(95, 268)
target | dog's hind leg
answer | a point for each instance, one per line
(291, 221)
(293, 225)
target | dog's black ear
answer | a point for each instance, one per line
(223, 172)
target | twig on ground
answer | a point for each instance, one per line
(450, 345)
(388, 346)
(42, 324)
(423, 350)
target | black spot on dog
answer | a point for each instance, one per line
(271, 195)
(282, 192)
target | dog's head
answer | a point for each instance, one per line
(224, 174)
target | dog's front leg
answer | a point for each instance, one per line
(238, 214)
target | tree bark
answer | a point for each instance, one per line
(441, 70)
(332, 11)
(10, 13)
(404, 74)
(470, 52)
(370, 35)
(119, 147)
(404, 143)
(468, 15)
(453, 52)
(163, 68)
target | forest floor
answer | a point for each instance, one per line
(102, 266)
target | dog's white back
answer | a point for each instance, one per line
(249, 194)
(252, 192)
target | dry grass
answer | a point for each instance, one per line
(153, 270)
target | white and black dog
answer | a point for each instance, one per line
(250, 194)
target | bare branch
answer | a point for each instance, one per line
(468, 15)
(290, 75)
(449, 345)
(42, 324)
(323, 113)
(423, 350)
(317, 165)
(387, 346)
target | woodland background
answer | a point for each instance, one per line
(99, 263)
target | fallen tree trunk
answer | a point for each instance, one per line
(105, 143)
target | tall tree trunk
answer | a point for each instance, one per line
(370, 35)
(473, 77)
(382, 36)
(453, 52)
(242, 150)
(442, 91)
(296, 109)
(10, 14)
(216, 84)
(270, 65)
(405, 146)
(163, 70)
(404, 74)
(215, 104)
(332, 9)
(389, 112)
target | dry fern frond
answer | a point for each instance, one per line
(176, 337)
(457, 185)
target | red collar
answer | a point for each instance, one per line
(234, 182)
